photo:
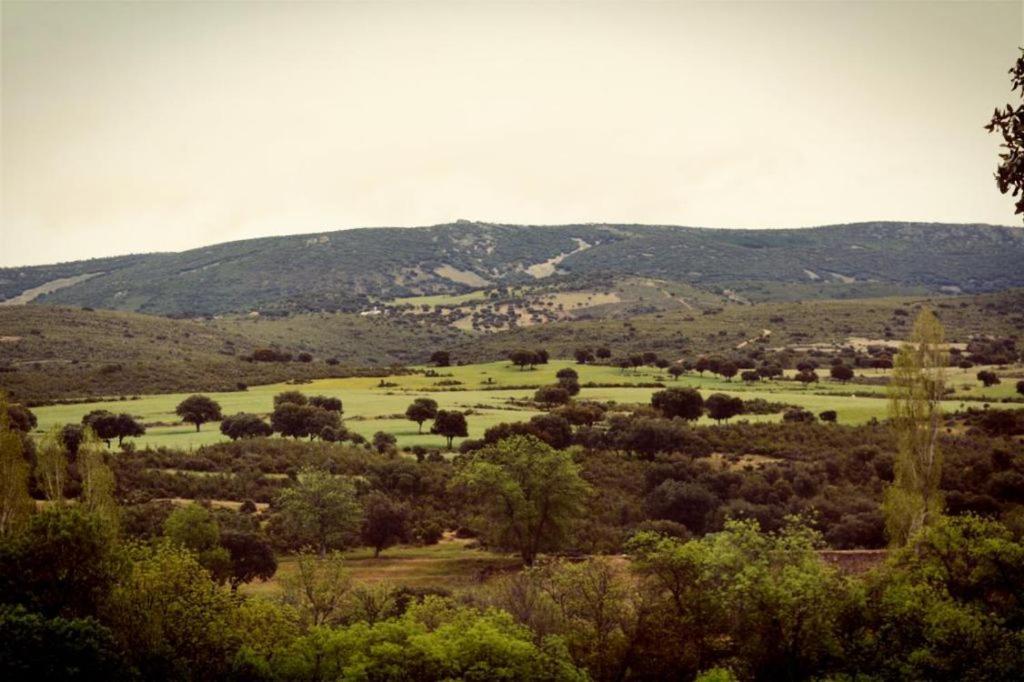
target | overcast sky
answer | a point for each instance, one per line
(130, 127)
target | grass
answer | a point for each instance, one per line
(451, 564)
(442, 299)
(487, 390)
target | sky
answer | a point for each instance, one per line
(147, 126)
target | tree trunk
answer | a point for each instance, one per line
(198, 424)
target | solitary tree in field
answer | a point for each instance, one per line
(103, 423)
(1010, 125)
(128, 427)
(244, 425)
(679, 402)
(723, 407)
(841, 373)
(421, 410)
(451, 425)
(529, 494)
(915, 411)
(523, 358)
(988, 378)
(552, 395)
(1020, 387)
(675, 371)
(327, 403)
(198, 409)
(441, 358)
(728, 369)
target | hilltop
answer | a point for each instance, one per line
(352, 270)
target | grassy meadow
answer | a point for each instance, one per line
(490, 391)
(451, 564)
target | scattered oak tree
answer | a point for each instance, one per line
(198, 410)
(420, 411)
(450, 424)
(684, 403)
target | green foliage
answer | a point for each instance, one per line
(39, 648)
(194, 528)
(915, 411)
(15, 503)
(529, 494)
(170, 618)
(51, 471)
(947, 606)
(63, 563)
(435, 640)
(763, 599)
(320, 511)
(319, 587)
(98, 484)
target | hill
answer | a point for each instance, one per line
(54, 352)
(351, 270)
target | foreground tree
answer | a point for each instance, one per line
(528, 494)
(15, 504)
(194, 528)
(765, 601)
(98, 483)
(1009, 123)
(320, 510)
(915, 411)
(52, 465)
(318, 587)
(198, 410)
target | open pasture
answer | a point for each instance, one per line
(374, 404)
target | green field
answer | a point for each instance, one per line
(487, 390)
(451, 564)
(442, 299)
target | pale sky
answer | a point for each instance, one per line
(144, 126)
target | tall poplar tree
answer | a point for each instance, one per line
(915, 411)
(15, 503)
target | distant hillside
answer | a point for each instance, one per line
(350, 269)
(51, 352)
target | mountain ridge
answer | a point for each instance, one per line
(349, 269)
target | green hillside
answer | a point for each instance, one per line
(348, 270)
